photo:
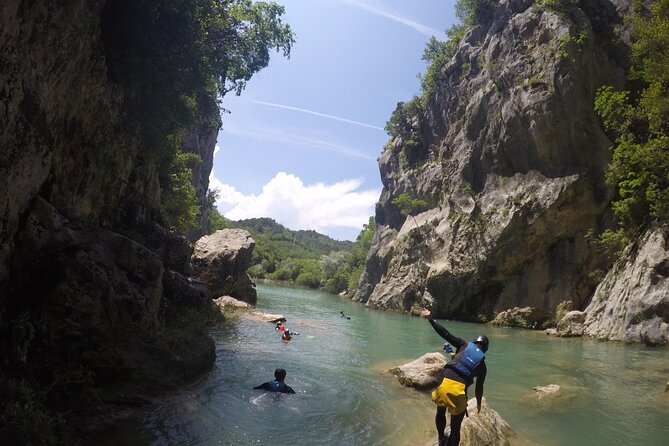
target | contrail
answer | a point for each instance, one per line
(259, 134)
(315, 113)
(422, 29)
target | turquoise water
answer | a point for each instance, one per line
(615, 394)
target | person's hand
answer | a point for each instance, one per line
(425, 313)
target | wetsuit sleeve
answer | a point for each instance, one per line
(441, 331)
(288, 390)
(480, 379)
(263, 386)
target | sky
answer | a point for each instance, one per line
(301, 143)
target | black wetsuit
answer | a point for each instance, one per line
(450, 372)
(275, 386)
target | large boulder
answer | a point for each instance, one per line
(423, 373)
(526, 317)
(486, 428)
(221, 259)
(571, 324)
(631, 304)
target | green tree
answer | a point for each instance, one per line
(409, 206)
(179, 199)
(175, 59)
(638, 121)
(216, 220)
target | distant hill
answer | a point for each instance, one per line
(268, 228)
(304, 258)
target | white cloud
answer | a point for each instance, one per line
(290, 202)
(422, 29)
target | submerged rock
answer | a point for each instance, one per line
(550, 396)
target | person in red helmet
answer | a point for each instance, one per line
(459, 373)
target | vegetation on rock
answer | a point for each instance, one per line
(174, 61)
(637, 120)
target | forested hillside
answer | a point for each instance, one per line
(304, 258)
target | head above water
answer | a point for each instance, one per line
(280, 374)
(483, 342)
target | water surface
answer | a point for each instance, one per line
(615, 394)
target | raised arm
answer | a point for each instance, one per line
(441, 330)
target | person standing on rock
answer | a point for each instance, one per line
(459, 373)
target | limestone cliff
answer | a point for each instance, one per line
(511, 162)
(93, 290)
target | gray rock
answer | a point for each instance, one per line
(631, 304)
(526, 317)
(486, 428)
(422, 373)
(221, 259)
(229, 302)
(571, 324)
(550, 396)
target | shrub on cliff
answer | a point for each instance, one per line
(638, 120)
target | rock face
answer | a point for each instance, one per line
(423, 373)
(511, 162)
(86, 270)
(221, 259)
(640, 277)
(201, 141)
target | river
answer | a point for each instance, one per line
(615, 394)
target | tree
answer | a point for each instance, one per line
(179, 201)
(408, 205)
(638, 121)
(175, 59)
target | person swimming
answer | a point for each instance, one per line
(276, 385)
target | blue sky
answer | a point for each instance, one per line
(301, 143)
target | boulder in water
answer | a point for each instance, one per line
(423, 373)
(486, 428)
(221, 259)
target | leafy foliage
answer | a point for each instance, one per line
(409, 206)
(437, 53)
(405, 121)
(175, 59)
(179, 199)
(638, 121)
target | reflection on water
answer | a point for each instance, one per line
(615, 392)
